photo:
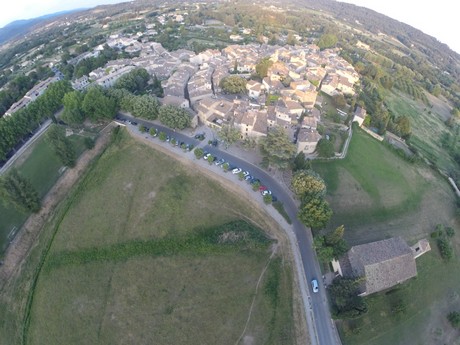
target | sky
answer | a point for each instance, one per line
(436, 18)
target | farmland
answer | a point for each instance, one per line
(146, 251)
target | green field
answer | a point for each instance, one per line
(427, 125)
(376, 195)
(42, 167)
(148, 251)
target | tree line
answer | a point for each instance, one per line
(13, 129)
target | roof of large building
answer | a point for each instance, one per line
(383, 264)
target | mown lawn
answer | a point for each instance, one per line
(148, 251)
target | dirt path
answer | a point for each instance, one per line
(29, 232)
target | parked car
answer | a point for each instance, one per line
(262, 188)
(314, 285)
(220, 162)
(274, 198)
(134, 123)
(245, 173)
(206, 156)
(168, 138)
(266, 192)
(236, 171)
(248, 178)
(200, 136)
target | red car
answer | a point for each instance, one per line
(262, 188)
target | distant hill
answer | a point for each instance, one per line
(22, 26)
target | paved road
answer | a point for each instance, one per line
(326, 333)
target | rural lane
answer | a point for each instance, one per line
(315, 304)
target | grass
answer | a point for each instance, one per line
(377, 195)
(428, 299)
(42, 167)
(427, 126)
(278, 205)
(147, 251)
(383, 183)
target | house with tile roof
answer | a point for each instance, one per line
(383, 264)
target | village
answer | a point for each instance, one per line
(287, 96)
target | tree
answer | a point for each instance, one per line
(135, 81)
(454, 319)
(315, 213)
(19, 191)
(336, 242)
(268, 199)
(300, 162)
(61, 146)
(277, 148)
(174, 117)
(162, 136)
(325, 148)
(402, 126)
(307, 184)
(324, 252)
(145, 107)
(233, 84)
(198, 153)
(339, 101)
(97, 106)
(263, 66)
(327, 41)
(229, 135)
(73, 113)
(345, 300)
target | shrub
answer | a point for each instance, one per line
(450, 232)
(268, 199)
(89, 143)
(162, 136)
(445, 249)
(198, 153)
(454, 319)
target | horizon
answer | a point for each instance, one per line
(431, 20)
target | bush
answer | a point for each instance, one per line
(198, 153)
(445, 249)
(454, 319)
(268, 199)
(162, 136)
(255, 186)
(450, 232)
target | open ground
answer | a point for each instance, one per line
(108, 275)
(376, 194)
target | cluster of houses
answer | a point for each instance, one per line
(286, 97)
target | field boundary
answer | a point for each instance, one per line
(24, 240)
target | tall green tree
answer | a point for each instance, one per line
(233, 84)
(19, 191)
(325, 148)
(145, 106)
(315, 213)
(73, 112)
(61, 146)
(135, 81)
(229, 135)
(97, 106)
(174, 117)
(277, 148)
(263, 66)
(307, 184)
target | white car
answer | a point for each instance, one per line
(205, 157)
(314, 285)
(245, 173)
(266, 192)
(236, 171)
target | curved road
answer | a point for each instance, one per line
(326, 334)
